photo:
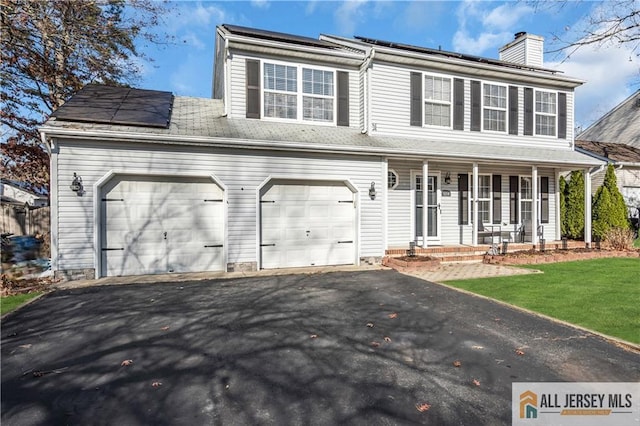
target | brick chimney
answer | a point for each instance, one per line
(525, 49)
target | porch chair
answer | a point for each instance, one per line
(492, 231)
(526, 231)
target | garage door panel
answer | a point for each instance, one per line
(152, 206)
(306, 221)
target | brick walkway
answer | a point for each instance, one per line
(463, 271)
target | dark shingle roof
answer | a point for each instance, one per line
(620, 125)
(276, 36)
(616, 152)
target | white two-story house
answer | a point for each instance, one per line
(312, 152)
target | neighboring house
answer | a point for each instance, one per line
(12, 193)
(615, 138)
(313, 152)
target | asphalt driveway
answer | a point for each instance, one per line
(348, 347)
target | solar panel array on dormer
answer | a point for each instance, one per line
(118, 105)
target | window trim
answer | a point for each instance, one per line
(395, 185)
(424, 100)
(505, 109)
(299, 93)
(536, 113)
(531, 200)
(489, 200)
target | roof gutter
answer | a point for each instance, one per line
(224, 142)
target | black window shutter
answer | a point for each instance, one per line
(562, 115)
(343, 98)
(253, 88)
(463, 199)
(528, 111)
(416, 99)
(476, 106)
(513, 110)
(458, 104)
(544, 199)
(513, 199)
(497, 199)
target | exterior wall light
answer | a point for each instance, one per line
(447, 178)
(76, 184)
(372, 191)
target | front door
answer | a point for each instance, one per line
(432, 207)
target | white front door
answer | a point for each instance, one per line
(430, 204)
(307, 224)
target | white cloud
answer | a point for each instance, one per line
(607, 71)
(506, 16)
(465, 43)
(348, 15)
(262, 4)
(193, 40)
(199, 15)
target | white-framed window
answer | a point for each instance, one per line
(296, 92)
(494, 107)
(392, 179)
(545, 113)
(484, 198)
(526, 198)
(437, 101)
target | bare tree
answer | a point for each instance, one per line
(50, 49)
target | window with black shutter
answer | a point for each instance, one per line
(476, 106)
(343, 98)
(562, 115)
(497, 199)
(253, 88)
(416, 99)
(458, 104)
(528, 111)
(513, 199)
(463, 199)
(513, 110)
(544, 199)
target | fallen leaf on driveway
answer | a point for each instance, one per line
(457, 363)
(387, 339)
(25, 346)
(165, 328)
(476, 382)
(156, 384)
(314, 336)
(423, 407)
(393, 315)
(375, 344)
(126, 362)
(477, 347)
(370, 324)
(519, 352)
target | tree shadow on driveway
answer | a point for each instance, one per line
(348, 347)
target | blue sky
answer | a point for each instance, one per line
(474, 27)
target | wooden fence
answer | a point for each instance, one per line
(19, 220)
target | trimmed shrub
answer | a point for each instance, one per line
(563, 206)
(609, 209)
(574, 206)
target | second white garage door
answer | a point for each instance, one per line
(307, 224)
(154, 225)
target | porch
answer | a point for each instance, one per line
(468, 253)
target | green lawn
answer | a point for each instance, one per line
(9, 303)
(601, 294)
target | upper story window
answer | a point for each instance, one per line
(437, 101)
(545, 113)
(494, 109)
(285, 98)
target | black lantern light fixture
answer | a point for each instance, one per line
(76, 184)
(447, 178)
(372, 191)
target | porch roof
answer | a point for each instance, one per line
(201, 121)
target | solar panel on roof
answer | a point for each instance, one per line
(118, 105)
(273, 35)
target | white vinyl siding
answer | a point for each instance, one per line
(242, 171)
(400, 225)
(390, 113)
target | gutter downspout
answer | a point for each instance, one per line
(226, 77)
(53, 204)
(367, 90)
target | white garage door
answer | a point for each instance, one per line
(307, 224)
(153, 225)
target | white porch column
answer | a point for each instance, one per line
(385, 205)
(474, 203)
(425, 210)
(558, 216)
(535, 205)
(587, 207)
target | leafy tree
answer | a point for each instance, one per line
(575, 206)
(50, 49)
(563, 206)
(609, 209)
